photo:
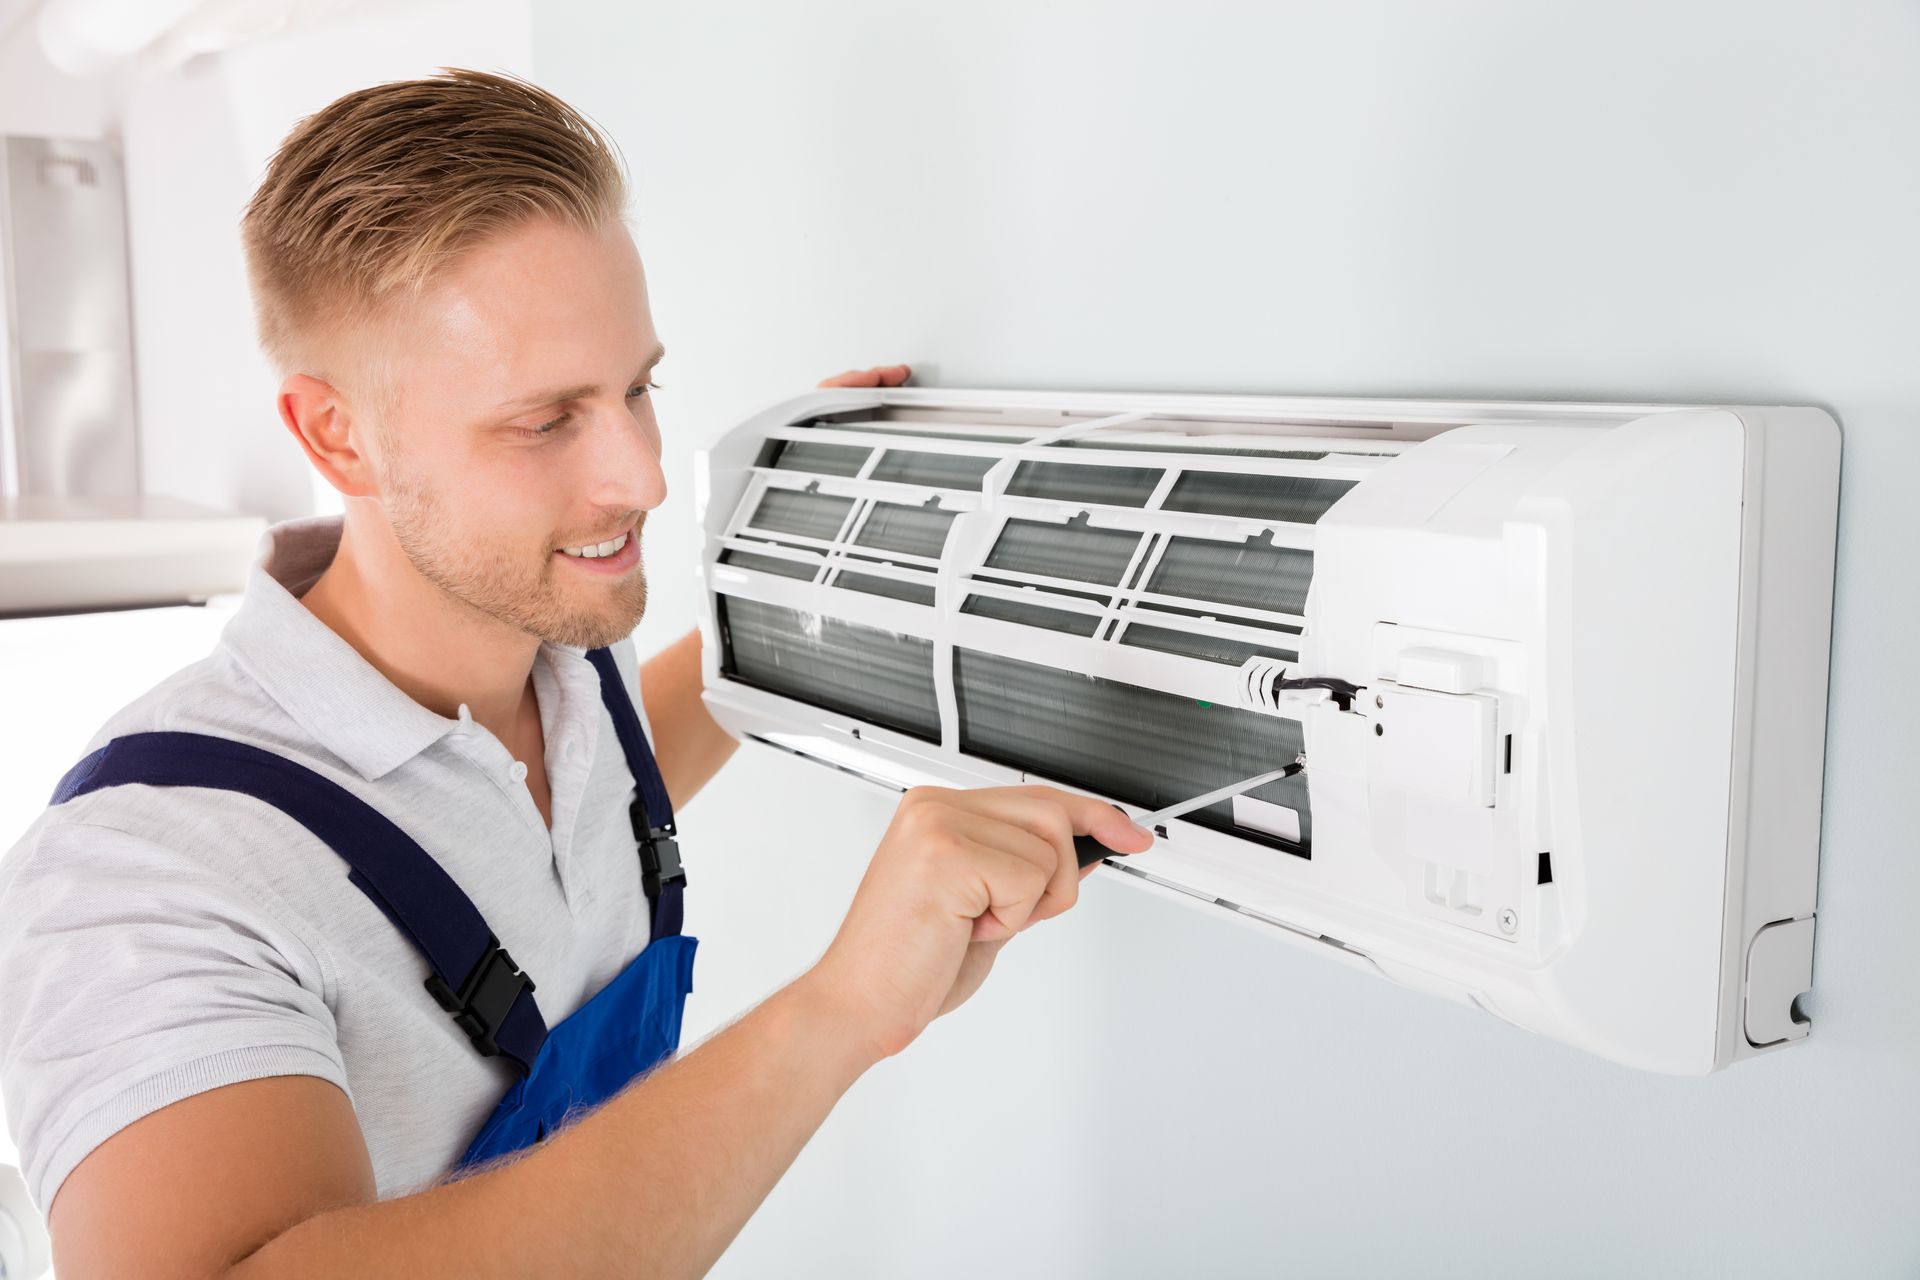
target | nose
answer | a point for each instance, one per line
(624, 463)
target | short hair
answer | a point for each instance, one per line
(369, 198)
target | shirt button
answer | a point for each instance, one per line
(517, 771)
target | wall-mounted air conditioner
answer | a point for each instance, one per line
(1563, 760)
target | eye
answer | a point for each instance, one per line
(639, 389)
(544, 429)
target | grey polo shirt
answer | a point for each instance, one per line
(159, 942)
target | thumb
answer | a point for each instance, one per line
(1112, 827)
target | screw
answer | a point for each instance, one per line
(1509, 919)
(1379, 731)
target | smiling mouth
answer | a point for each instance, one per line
(594, 550)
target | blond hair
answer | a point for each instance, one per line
(369, 198)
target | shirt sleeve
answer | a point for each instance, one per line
(131, 977)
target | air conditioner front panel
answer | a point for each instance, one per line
(1542, 605)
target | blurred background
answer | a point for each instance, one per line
(1692, 201)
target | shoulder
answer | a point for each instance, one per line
(213, 696)
(146, 958)
(173, 842)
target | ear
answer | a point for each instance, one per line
(319, 418)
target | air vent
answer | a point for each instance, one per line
(884, 678)
(1101, 568)
(1136, 745)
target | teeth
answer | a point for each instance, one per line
(595, 550)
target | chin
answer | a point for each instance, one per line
(597, 628)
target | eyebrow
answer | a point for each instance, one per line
(561, 394)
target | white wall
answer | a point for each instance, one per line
(195, 141)
(197, 144)
(35, 98)
(1647, 201)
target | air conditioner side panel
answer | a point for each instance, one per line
(1639, 621)
(1793, 487)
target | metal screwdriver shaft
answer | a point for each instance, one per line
(1089, 851)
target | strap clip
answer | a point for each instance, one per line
(659, 852)
(481, 1004)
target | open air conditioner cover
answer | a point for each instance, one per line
(1578, 785)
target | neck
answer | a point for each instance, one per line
(437, 650)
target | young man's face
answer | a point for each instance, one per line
(522, 432)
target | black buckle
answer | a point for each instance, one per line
(659, 852)
(482, 1002)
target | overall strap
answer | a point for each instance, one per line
(661, 874)
(473, 976)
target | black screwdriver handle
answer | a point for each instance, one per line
(1089, 851)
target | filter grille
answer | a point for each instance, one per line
(1136, 745)
(845, 667)
(1199, 554)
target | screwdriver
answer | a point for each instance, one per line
(1089, 851)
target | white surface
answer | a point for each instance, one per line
(1437, 744)
(96, 553)
(24, 1249)
(1696, 202)
(1274, 819)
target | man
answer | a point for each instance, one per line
(216, 1046)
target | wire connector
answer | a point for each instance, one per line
(1266, 685)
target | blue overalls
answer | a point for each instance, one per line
(626, 1028)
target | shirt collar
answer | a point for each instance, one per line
(334, 694)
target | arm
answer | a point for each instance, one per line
(656, 1183)
(688, 743)
(271, 1177)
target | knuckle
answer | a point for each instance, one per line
(942, 843)
(1066, 893)
(924, 812)
(1061, 822)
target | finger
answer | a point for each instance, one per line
(1031, 808)
(1106, 823)
(1006, 888)
(1063, 885)
(995, 887)
(884, 375)
(1056, 816)
(1060, 815)
(853, 378)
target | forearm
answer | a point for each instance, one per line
(689, 744)
(656, 1183)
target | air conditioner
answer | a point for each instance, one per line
(1557, 672)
